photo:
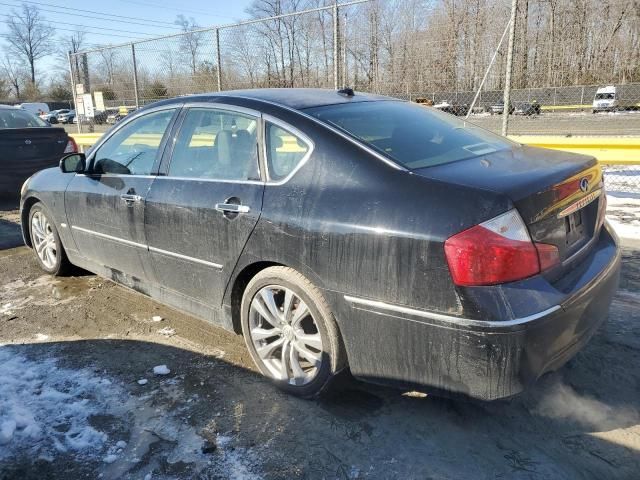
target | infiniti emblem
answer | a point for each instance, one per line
(27, 142)
(584, 184)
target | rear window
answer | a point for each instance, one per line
(605, 96)
(17, 118)
(414, 136)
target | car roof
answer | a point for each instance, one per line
(296, 98)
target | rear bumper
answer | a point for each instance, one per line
(485, 360)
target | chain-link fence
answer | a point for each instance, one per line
(575, 69)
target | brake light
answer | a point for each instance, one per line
(72, 146)
(497, 251)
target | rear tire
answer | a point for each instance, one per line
(46, 242)
(291, 333)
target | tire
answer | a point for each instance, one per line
(297, 336)
(42, 230)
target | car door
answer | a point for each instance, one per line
(200, 214)
(105, 206)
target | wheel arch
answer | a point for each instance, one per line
(27, 205)
(245, 273)
(240, 283)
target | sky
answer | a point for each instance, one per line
(125, 20)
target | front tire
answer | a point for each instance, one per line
(291, 333)
(46, 242)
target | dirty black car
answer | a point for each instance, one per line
(339, 230)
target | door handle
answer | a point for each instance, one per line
(232, 208)
(130, 198)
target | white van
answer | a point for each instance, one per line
(37, 108)
(605, 99)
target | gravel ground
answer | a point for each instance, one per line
(87, 343)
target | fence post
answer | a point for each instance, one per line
(507, 82)
(135, 75)
(582, 97)
(73, 90)
(336, 46)
(219, 60)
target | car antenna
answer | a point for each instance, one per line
(347, 92)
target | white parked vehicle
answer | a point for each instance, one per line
(616, 98)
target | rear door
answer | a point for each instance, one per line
(200, 213)
(105, 207)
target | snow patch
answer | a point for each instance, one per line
(623, 213)
(142, 381)
(45, 409)
(161, 370)
(167, 332)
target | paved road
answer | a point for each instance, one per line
(582, 422)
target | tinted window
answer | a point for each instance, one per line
(412, 135)
(16, 118)
(133, 149)
(605, 96)
(284, 151)
(216, 144)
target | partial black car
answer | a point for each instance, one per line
(27, 145)
(527, 108)
(340, 230)
(498, 108)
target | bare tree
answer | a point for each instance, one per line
(190, 42)
(29, 36)
(15, 74)
(72, 43)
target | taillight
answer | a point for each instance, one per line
(497, 251)
(71, 147)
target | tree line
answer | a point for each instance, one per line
(387, 46)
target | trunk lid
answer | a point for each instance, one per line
(27, 150)
(559, 195)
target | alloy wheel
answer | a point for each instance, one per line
(285, 335)
(44, 241)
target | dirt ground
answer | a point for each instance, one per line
(213, 416)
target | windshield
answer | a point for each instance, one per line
(17, 118)
(414, 136)
(605, 96)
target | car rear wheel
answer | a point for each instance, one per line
(291, 333)
(46, 241)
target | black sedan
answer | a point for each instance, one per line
(27, 144)
(341, 230)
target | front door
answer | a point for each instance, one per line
(105, 206)
(200, 214)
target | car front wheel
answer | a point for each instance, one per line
(291, 333)
(46, 241)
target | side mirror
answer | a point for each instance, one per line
(73, 163)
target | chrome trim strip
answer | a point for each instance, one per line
(113, 175)
(449, 318)
(193, 103)
(151, 249)
(109, 237)
(185, 257)
(296, 133)
(214, 180)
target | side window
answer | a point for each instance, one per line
(134, 148)
(284, 151)
(216, 144)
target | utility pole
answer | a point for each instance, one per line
(336, 46)
(507, 80)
